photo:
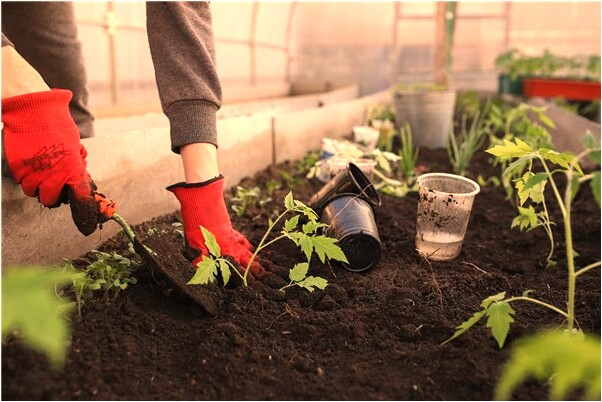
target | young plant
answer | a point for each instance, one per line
(113, 272)
(568, 363)
(305, 236)
(497, 308)
(82, 287)
(462, 148)
(408, 153)
(32, 312)
(526, 122)
(244, 198)
(406, 167)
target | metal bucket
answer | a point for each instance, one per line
(429, 113)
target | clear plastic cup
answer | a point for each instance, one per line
(444, 206)
(366, 135)
(338, 163)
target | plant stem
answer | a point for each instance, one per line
(529, 299)
(271, 241)
(570, 256)
(261, 246)
(587, 268)
(285, 287)
(554, 187)
(548, 229)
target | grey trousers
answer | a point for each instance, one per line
(45, 34)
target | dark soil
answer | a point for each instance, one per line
(375, 335)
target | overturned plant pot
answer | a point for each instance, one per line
(352, 181)
(350, 220)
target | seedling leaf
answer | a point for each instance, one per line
(511, 150)
(312, 282)
(211, 242)
(567, 362)
(291, 224)
(326, 248)
(311, 227)
(30, 305)
(225, 269)
(526, 219)
(466, 325)
(563, 159)
(288, 201)
(298, 272)
(205, 273)
(495, 298)
(499, 319)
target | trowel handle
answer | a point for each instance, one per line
(106, 207)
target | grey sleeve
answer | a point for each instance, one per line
(180, 36)
(6, 42)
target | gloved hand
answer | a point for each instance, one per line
(202, 204)
(43, 151)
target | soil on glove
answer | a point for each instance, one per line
(375, 335)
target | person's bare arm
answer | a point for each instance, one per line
(18, 77)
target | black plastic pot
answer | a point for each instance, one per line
(350, 220)
(351, 180)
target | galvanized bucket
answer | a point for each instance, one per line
(429, 114)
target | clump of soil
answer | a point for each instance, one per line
(372, 335)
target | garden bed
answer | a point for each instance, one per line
(374, 335)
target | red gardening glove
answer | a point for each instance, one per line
(45, 155)
(202, 204)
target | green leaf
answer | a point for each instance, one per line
(563, 159)
(30, 305)
(225, 269)
(291, 224)
(312, 282)
(311, 227)
(325, 247)
(298, 272)
(495, 298)
(544, 118)
(466, 325)
(511, 150)
(306, 245)
(526, 219)
(205, 273)
(518, 165)
(499, 319)
(531, 186)
(211, 242)
(289, 201)
(567, 362)
(595, 186)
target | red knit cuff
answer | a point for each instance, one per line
(37, 112)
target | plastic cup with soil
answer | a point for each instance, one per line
(350, 180)
(444, 206)
(350, 220)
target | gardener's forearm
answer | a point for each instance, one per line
(200, 162)
(18, 76)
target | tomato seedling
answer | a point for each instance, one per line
(305, 236)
